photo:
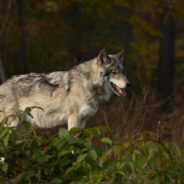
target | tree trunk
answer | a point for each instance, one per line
(167, 57)
(21, 5)
(2, 36)
(2, 72)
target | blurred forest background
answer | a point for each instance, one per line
(51, 35)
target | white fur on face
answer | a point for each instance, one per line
(120, 83)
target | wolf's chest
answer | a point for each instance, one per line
(87, 110)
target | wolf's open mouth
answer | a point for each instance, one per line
(118, 91)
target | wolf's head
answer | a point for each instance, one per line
(111, 73)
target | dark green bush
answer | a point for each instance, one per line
(87, 156)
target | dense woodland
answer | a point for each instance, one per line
(50, 35)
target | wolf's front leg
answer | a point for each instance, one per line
(73, 121)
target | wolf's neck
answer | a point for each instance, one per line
(83, 74)
(83, 70)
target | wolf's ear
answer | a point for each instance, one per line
(103, 57)
(120, 55)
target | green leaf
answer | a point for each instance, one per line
(130, 165)
(106, 140)
(4, 133)
(6, 139)
(4, 167)
(92, 154)
(4, 136)
(65, 134)
(81, 157)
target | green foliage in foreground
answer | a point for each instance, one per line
(87, 156)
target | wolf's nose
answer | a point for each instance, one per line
(128, 84)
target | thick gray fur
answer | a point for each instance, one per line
(66, 97)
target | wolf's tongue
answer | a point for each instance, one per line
(118, 91)
(122, 92)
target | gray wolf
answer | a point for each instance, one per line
(66, 97)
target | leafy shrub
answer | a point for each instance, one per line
(87, 156)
